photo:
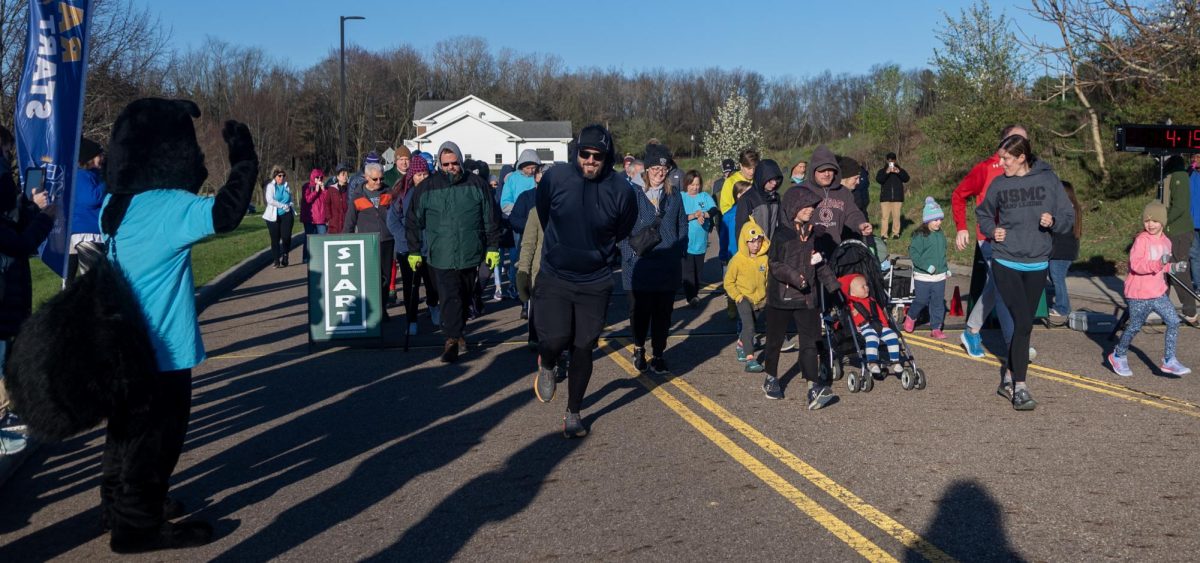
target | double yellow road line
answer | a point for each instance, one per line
(1110, 389)
(805, 503)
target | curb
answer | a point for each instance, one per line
(206, 295)
(226, 281)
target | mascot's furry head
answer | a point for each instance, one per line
(86, 353)
(154, 146)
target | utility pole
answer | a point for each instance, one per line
(342, 124)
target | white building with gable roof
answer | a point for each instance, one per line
(486, 132)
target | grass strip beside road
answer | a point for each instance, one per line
(209, 258)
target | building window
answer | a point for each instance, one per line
(546, 155)
(499, 158)
(467, 156)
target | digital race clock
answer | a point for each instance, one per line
(1158, 139)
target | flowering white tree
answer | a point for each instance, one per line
(731, 131)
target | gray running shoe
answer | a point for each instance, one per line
(573, 425)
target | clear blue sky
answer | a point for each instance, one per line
(771, 37)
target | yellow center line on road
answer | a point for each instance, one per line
(1086, 383)
(889, 525)
(806, 504)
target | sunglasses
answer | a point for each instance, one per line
(450, 164)
(591, 155)
(280, 175)
(376, 179)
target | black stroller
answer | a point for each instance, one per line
(842, 341)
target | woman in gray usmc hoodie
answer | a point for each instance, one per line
(1021, 211)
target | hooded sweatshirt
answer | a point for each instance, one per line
(792, 280)
(517, 183)
(583, 219)
(1016, 203)
(727, 198)
(837, 209)
(457, 215)
(747, 275)
(758, 202)
(1145, 279)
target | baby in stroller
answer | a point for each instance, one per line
(871, 322)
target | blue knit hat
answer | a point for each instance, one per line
(932, 211)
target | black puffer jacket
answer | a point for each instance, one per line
(794, 282)
(23, 227)
(760, 203)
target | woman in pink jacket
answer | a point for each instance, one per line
(1146, 290)
(313, 212)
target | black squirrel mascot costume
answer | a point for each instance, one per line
(120, 342)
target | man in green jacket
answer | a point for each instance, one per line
(1180, 229)
(454, 213)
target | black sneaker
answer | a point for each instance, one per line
(169, 535)
(450, 351)
(525, 312)
(771, 388)
(172, 509)
(544, 382)
(573, 425)
(1022, 400)
(789, 344)
(1005, 390)
(659, 365)
(819, 396)
(639, 358)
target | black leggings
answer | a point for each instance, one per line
(693, 265)
(281, 234)
(1021, 292)
(410, 282)
(652, 313)
(808, 333)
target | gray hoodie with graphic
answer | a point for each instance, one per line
(1016, 204)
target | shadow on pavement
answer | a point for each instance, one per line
(968, 526)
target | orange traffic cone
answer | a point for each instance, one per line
(956, 309)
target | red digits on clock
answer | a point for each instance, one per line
(1194, 142)
(1173, 136)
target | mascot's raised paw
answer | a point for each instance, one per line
(241, 145)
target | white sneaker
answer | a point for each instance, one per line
(1032, 353)
(412, 329)
(435, 315)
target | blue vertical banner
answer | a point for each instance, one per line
(49, 109)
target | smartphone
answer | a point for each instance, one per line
(35, 180)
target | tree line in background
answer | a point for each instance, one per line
(1113, 61)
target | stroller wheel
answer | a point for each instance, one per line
(852, 381)
(868, 383)
(906, 379)
(837, 371)
(898, 314)
(920, 379)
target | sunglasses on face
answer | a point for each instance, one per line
(370, 179)
(591, 155)
(280, 175)
(450, 164)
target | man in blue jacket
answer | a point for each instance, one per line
(585, 210)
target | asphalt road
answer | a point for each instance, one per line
(336, 453)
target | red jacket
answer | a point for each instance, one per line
(314, 209)
(335, 207)
(975, 184)
(866, 303)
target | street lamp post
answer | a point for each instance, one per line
(342, 127)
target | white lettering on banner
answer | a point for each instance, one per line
(344, 285)
(45, 69)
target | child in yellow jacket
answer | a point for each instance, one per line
(746, 285)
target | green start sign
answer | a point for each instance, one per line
(344, 297)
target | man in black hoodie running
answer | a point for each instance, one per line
(585, 210)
